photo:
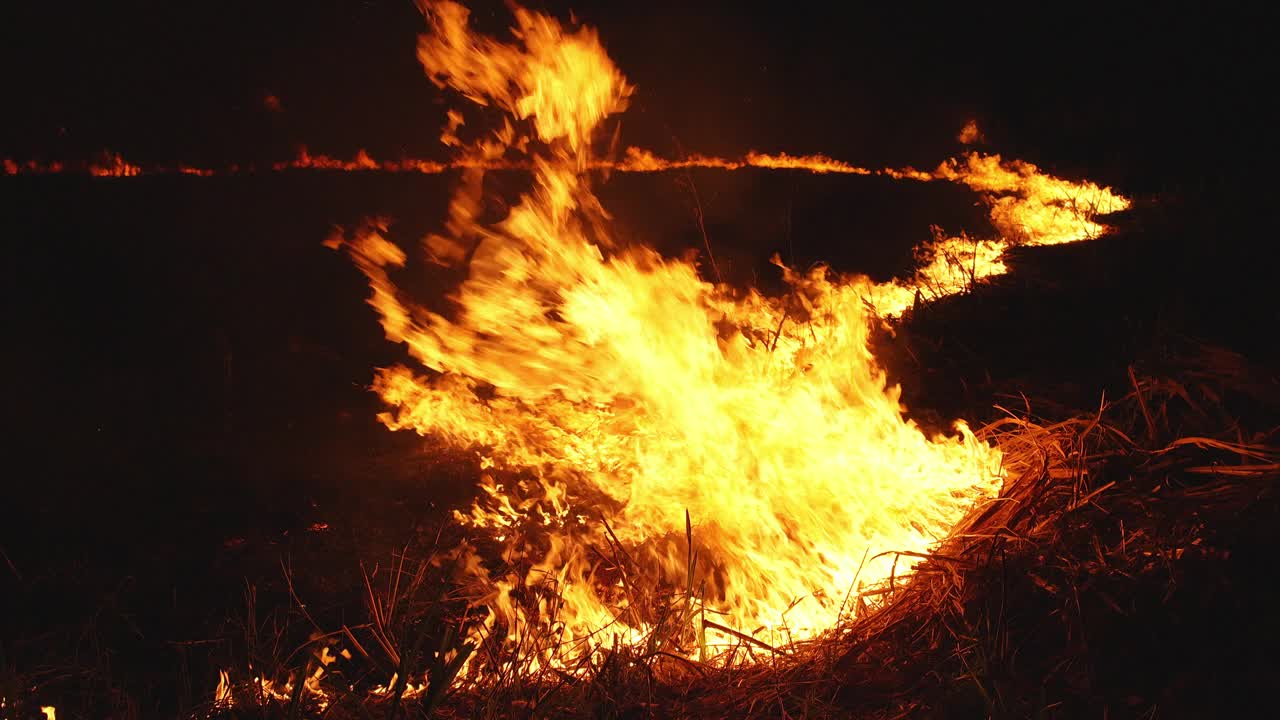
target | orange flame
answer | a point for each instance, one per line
(747, 451)
(31, 167)
(114, 166)
(604, 381)
(612, 393)
(110, 165)
(1031, 207)
(1027, 207)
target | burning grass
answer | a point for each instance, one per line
(1118, 572)
(607, 389)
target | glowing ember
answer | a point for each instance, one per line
(605, 382)
(31, 167)
(970, 134)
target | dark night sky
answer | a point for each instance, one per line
(1131, 96)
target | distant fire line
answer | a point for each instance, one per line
(1027, 206)
(635, 160)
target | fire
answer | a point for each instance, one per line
(262, 689)
(1031, 207)
(48, 711)
(656, 445)
(361, 161)
(113, 165)
(108, 165)
(745, 452)
(1027, 207)
(970, 133)
(640, 160)
(30, 167)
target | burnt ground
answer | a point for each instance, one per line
(186, 371)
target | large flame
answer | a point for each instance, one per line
(614, 395)
(745, 453)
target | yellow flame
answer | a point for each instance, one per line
(222, 696)
(113, 165)
(744, 452)
(1027, 207)
(604, 384)
(1030, 206)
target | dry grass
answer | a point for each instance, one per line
(1123, 542)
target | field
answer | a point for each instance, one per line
(204, 476)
